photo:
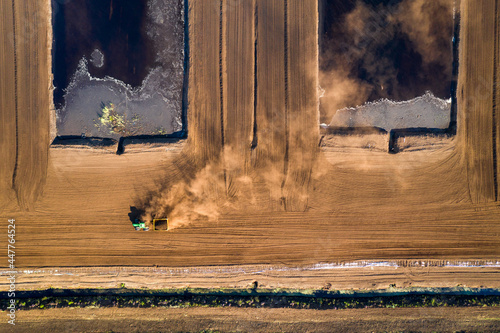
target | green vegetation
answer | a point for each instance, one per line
(116, 122)
(245, 298)
(160, 131)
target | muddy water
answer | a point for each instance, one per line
(368, 38)
(426, 111)
(115, 28)
(128, 53)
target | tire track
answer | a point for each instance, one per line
(255, 81)
(287, 130)
(221, 70)
(478, 42)
(221, 82)
(14, 174)
(186, 63)
(494, 115)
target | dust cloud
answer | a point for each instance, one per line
(192, 198)
(429, 31)
(192, 190)
(199, 191)
(376, 49)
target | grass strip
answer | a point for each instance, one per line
(253, 298)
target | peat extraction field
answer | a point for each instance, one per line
(118, 67)
(215, 109)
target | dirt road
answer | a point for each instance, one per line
(259, 320)
(358, 275)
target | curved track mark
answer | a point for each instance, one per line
(15, 93)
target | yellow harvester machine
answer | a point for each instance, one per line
(141, 225)
(155, 221)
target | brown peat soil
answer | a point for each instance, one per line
(262, 190)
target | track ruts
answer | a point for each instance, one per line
(287, 105)
(8, 101)
(16, 108)
(269, 154)
(496, 100)
(204, 111)
(239, 87)
(28, 47)
(302, 101)
(476, 96)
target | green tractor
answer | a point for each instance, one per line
(141, 225)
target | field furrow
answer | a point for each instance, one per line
(204, 115)
(496, 101)
(239, 55)
(303, 112)
(8, 100)
(476, 96)
(271, 83)
(28, 139)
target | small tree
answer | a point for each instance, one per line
(116, 122)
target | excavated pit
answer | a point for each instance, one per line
(118, 67)
(390, 64)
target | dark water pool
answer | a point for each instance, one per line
(395, 49)
(118, 67)
(114, 27)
